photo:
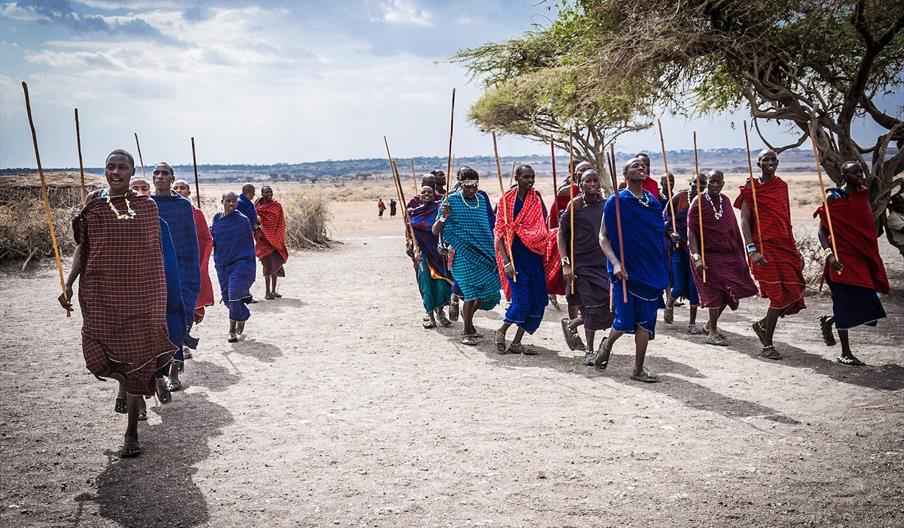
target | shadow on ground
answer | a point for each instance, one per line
(156, 489)
(259, 350)
(690, 394)
(276, 306)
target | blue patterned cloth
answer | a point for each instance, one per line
(175, 311)
(468, 231)
(233, 258)
(177, 212)
(246, 207)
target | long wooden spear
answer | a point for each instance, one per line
(140, 158)
(503, 209)
(81, 163)
(822, 190)
(571, 208)
(45, 198)
(552, 151)
(752, 180)
(512, 175)
(699, 206)
(621, 242)
(194, 161)
(668, 181)
(401, 195)
(414, 178)
(451, 130)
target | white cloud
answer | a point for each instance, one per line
(405, 12)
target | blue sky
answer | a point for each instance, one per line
(262, 82)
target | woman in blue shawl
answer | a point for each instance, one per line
(233, 258)
(432, 276)
(465, 225)
(640, 261)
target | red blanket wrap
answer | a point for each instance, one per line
(559, 205)
(530, 226)
(122, 292)
(855, 238)
(781, 279)
(205, 247)
(272, 234)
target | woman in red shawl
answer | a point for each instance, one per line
(122, 290)
(777, 267)
(271, 240)
(856, 273)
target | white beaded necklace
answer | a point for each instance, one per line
(476, 195)
(717, 213)
(128, 215)
(645, 201)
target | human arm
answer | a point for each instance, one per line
(826, 244)
(606, 246)
(746, 215)
(66, 302)
(507, 267)
(440, 222)
(563, 250)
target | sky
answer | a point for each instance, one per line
(265, 82)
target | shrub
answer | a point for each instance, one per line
(307, 219)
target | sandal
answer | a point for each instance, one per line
(769, 352)
(555, 303)
(142, 415)
(718, 340)
(468, 339)
(827, 334)
(443, 320)
(476, 335)
(269, 296)
(589, 358)
(499, 340)
(130, 448)
(693, 330)
(276, 295)
(569, 335)
(453, 311)
(174, 385)
(186, 353)
(232, 338)
(646, 376)
(518, 348)
(120, 406)
(669, 315)
(602, 356)
(850, 361)
(428, 322)
(760, 332)
(163, 393)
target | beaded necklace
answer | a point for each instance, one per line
(128, 215)
(717, 213)
(645, 201)
(476, 195)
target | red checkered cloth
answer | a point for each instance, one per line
(530, 226)
(205, 247)
(271, 237)
(122, 292)
(552, 264)
(781, 279)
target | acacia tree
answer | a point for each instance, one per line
(533, 89)
(828, 62)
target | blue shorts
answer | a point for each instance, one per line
(640, 310)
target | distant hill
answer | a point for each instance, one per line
(680, 162)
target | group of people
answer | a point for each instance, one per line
(621, 259)
(142, 258)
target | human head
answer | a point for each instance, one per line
(897, 203)
(693, 181)
(427, 194)
(229, 202)
(646, 160)
(525, 177)
(119, 169)
(163, 177)
(440, 180)
(181, 187)
(248, 191)
(715, 180)
(580, 168)
(853, 174)
(469, 181)
(635, 170)
(590, 183)
(140, 186)
(667, 182)
(266, 193)
(429, 180)
(767, 161)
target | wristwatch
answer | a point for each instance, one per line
(696, 257)
(566, 261)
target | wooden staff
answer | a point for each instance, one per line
(401, 195)
(45, 198)
(822, 190)
(512, 175)
(552, 151)
(194, 161)
(668, 183)
(451, 129)
(81, 164)
(699, 207)
(571, 208)
(503, 208)
(621, 242)
(140, 158)
(417, 189)
(752, 180)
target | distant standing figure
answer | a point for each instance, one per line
(271, 240)
(392, 207)
(380, 208)
(896, 222)
(233, 258)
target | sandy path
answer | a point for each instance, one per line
(341, 410)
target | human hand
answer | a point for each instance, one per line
(833, 262)
(66, 301)
(758, 258)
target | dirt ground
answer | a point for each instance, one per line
(340, 410)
